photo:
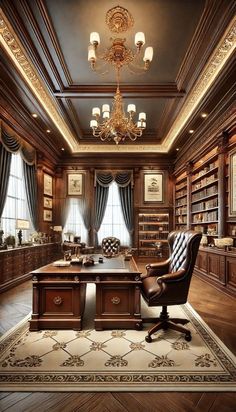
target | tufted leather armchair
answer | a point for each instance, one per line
(110, 246)
(167, 283)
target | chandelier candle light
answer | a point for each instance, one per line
(114, 124)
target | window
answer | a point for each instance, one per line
(113, 222)
(74, 223)
(16, 205)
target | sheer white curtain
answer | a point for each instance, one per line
(74, 221)
(113, 222)
(16, 205)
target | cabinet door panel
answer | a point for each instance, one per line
(216, 267)
(202, 262)
(231, 273)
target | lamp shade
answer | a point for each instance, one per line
(96, 111)
(94, 38)
(131, 108)
(139, 38)
(93, 123)
(148, 55)
(91, 53)
(57, 228)
(22, 224)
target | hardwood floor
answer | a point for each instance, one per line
(218, 311)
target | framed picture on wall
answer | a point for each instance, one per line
(47, 184)
(47, 202)
(153, 187)
(75, 184)
(47, 215)
(232, 183)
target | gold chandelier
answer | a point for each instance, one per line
(114, 124)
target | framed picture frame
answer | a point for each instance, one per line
(47, 202)
(75, 184)
(153, 187)
(47, 184)
(232, 183)
(47, 215)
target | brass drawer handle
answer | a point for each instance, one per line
(57, 300)
(115, 300)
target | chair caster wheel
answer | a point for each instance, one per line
(148, 339)
(188, 337)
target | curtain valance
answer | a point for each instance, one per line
(122, 179)
(15, 144)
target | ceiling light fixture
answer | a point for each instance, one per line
(203, 115)
(191, 131)
(34, 115)
(115, 125)
(48, 131)
(118, 54)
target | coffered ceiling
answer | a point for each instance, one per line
(44, 69)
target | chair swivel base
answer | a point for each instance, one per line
(164, 322)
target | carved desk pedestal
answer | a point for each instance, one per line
(59, 295)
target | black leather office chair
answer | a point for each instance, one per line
(167, 283)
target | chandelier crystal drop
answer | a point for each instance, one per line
(114, 124)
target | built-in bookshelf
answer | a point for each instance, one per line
(180, 209)
(204, 195)
(230, 218)
(153, 230)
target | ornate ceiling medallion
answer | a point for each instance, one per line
(119, 19)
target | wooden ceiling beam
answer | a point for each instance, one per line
(166, 90)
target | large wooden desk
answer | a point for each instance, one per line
(59, 295)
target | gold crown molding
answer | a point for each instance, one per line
(15, 50)
(219, 57)
(103, 148)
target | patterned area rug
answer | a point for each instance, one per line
(116, 360)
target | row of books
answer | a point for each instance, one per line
(209, 204)
(205, 192)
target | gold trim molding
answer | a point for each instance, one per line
(216, 62)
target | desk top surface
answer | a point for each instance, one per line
(114, 265)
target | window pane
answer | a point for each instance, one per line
(16, 205)
(113, 222)
(74, 223)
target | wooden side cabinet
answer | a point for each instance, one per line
(16, 264)
(218, 267)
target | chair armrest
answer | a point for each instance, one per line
(171, 277)
(154, 269)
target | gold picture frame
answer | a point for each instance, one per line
(153, 187)
(47, 202)
(47, 184)
(47, 215)
(75, 184)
